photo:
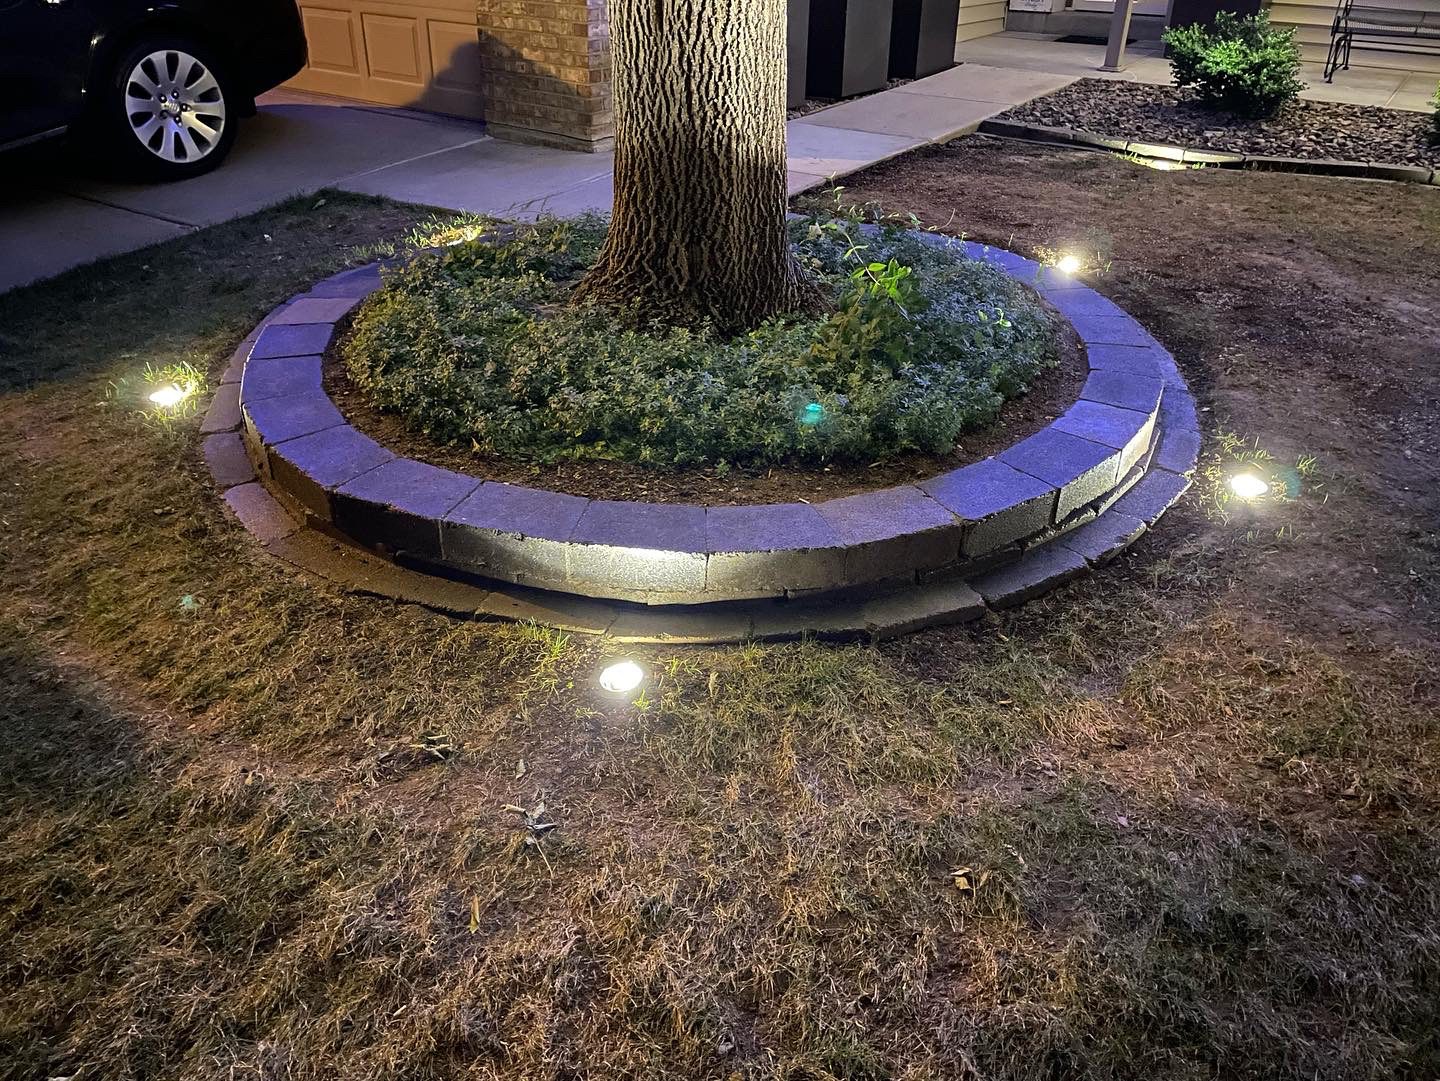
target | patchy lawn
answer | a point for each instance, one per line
(1177, 821)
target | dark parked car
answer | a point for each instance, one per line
(154, 87)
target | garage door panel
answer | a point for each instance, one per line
(395, 52)
(331, 35)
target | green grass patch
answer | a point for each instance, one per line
(478, 345)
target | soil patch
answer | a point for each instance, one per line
(1053, 392)
(1312, 130)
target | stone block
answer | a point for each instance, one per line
(228, 462)
(1415, 174)
(275, 420)
(259, 512)
(1155, 493)
(1127, 430)
(939, 604)
(765, 550)
(400, 504)
(1110, 330)
(1038, 571)
(1081, 302)
(352, 284)
(1177, 410)
(1017, 266)
(682, 624)
(999, 503)
(1163, 151)
(892, 531)
(311, 309)
(1123, 389)
(1080, 469)
(224, 412)
(311, 467)
(580, 614)
(654, 552)
(1178, 450)
(1104, 538)
(513, 533)
(281, 377)
(292, 341)
(1150, 361)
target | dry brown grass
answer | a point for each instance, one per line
(1143, 829)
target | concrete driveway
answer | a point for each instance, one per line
(53, 217)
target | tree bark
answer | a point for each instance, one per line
(698, 230)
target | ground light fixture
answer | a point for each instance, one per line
(1248, 486)
(622, 677)
(1068, 264)
(172, 394)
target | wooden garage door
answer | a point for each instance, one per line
(423, 53)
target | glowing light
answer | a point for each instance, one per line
(621, 677)
(812, 414)
(1248, 486)
(166, 396)
(1068, 264)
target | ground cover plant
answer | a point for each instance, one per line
(1237, 64)
(1180, 820)
(478, 346)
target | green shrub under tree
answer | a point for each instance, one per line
(1239, 65)
(480, 345)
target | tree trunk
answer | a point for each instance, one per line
(698, 230)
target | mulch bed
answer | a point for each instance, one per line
(1302, 129)
(1053, 393)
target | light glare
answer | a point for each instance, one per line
(1248, 486)
(166, 396)
(621, 677)
(1068, 264)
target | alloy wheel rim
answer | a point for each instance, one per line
(175, 106)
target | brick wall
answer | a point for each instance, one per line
(545, 71)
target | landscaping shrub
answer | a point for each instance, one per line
(1435, 118)
(478, 345)
(1240, 65)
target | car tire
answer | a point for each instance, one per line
(169, 111)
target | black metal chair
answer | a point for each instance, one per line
(1385, 29)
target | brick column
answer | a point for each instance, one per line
(545, 72)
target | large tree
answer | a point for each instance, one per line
(698, 230)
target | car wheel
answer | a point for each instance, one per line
(171, 110)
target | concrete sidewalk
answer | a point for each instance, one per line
(52, 220)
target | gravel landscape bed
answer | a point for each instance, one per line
(1302, 129)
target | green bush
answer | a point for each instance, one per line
(1243, 66)
(479, 344)
(1435, 118)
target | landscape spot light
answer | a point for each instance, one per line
(812, 414)
(1068, 264)
(168, 395)
(621, 677)
(1248, 486)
